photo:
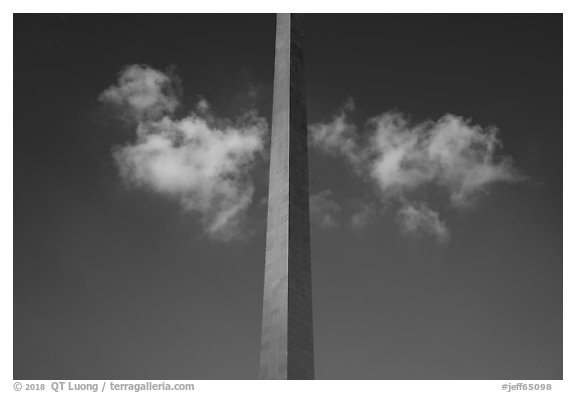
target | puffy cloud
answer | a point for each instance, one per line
(404, 159)
(143, 93)
(200, 160)
(419, 219)
(324, 210)
(450, 153)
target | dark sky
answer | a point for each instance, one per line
(112, 282)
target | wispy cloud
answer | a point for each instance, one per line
(419, 219)
(405, 158)
(338, 136)
(201, 160)
(324, 210)
(363, 214)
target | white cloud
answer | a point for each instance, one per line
(200, 160)
(403, 158)
(337, 137)
(324, 210)
(202, 106)
(450, 153)
(142, 93)
(419, 219)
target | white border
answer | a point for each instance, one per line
(305, 6)
(6, 168)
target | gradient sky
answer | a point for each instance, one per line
(115, 282)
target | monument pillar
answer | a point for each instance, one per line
(287, 350)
